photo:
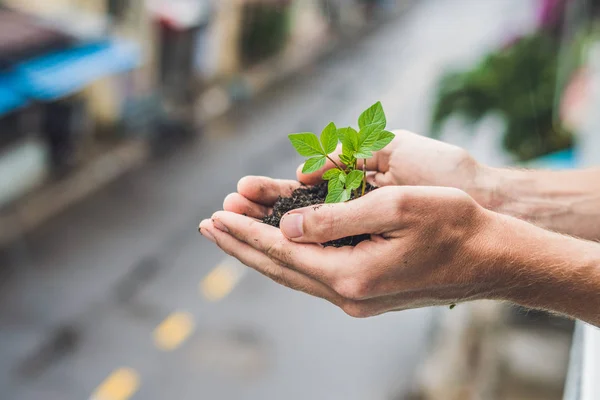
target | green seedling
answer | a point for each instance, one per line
(345, 179)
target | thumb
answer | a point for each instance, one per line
(374, 213)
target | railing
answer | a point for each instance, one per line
(583, 379)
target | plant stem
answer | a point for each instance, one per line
(334, 163)
(364, 182)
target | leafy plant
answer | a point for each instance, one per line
(345, 179)
(265, 29)
(518, 82)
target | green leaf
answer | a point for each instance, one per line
(373, 115)
(354, 179)
(363, 154)
(329, 138)
(349, 138)
(347, 159)
(368, 136)
(335, 182)
(313, 164)
(337, 195)
(346, 195)
(335, 192)
(306, 144)
(331, 174)
(346, 133)
(383, 140)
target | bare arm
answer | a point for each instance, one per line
(549, 271)
(429, 246)
(562, 201)
(499, 257)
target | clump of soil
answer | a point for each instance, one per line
(306, 196)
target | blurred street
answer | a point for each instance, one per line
(123, 282)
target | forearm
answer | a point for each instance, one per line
(562, 201)
(547, 270)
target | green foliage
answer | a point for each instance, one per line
(307, 144)
(518, 82)
(354, 179)
(329, 138)
(313, 164)
(373, 115)
(265, 30)
(346, 179)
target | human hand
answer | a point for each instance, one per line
(429, 246)
(416, 160)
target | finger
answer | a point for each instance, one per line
(265, 191)
(375, 213)
(380, 179)
(238, 204)
(323, 264)
(258, 261)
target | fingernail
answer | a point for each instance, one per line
(219, 225)
(291, 225)
(208, 235)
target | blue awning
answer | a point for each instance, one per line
(10, 100)
(62, 73)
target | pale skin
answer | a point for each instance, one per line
(443, 230)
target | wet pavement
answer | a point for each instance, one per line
(120, 296)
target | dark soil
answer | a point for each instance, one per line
(306, 196)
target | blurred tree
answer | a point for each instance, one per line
(524, 81)
(265, 29)
(518, 82)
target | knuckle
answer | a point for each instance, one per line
(463, 161)
(229, 251)
(323, 223)
(461, 155)
(253, 227)
(356, 310)
(353, 288)
(462, 201)
(398, 198)
(404, 202)
(276, 274)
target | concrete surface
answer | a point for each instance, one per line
(83, 296)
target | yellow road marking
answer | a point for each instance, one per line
(120, 385)
(173, 331)
(221, 280)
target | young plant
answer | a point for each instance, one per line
(345, 180)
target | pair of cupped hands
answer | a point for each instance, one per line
(429, 238)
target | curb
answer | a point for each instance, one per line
(32, 210)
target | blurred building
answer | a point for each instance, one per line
(79, 78)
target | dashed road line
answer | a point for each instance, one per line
(222, 279)
(124, 382)
(121, 384)
(173, 331)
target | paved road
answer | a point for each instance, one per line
(120, 296)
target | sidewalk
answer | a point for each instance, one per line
(217, 100)
(51, 198)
